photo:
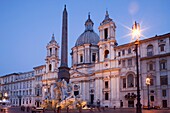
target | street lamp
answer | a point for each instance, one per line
(45, 89)
(136, 34)
(148, 83)
(6, 94)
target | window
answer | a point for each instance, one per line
(94, 57)
(81, 57)
(55, 51)
(130, 80)
(123, 52)
(119, 54)
(30, 91)
(38, 91)
(105, 33)
(164, 93)
(162, 47)
(152, 98)
(119, 62)
(23, 92)
(129, 62)
(106, 84)
(163, 65)
(124, 82)
(151, 82)
(150, 66)
(135, 81)
(26, 92)
(164, 80)
(150, 50)
(50, 51)
(50, 67)
(106, 96)
(106, 54)
(129, 50)
(123, 63)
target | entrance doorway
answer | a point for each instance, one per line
(164, 103)
(91, 98)
(121, 103)
(131, 103)
(38, 103)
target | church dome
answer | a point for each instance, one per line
(88, 36)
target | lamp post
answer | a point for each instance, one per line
(136, 34)
(148, 83)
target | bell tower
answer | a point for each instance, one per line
(107, 41)
(52, 59)
(107, 29)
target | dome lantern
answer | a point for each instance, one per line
(89, 24)
(88, 36)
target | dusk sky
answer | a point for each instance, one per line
(26, 26)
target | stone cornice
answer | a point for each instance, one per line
(107, 70)
(155, 56)
(17, 81)
(144, 41)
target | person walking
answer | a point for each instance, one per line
(98, 105)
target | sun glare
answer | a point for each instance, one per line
(135, 32)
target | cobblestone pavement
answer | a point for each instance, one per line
(17, 110)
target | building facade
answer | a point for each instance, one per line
(101, 69)
(31, 88)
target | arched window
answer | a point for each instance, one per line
(81, 57)
(55, 51)
(105, 33)
(106, 54)
(50, 51)
(130, 80)
(50, 67)
(150, 50)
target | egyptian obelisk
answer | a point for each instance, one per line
(63, 69)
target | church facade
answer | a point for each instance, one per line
(101, 69)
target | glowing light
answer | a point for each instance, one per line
(6, 94)
(45, 89)
(136, 31)
(3, 99)
(148, 81)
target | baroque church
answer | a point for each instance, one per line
(101, 69)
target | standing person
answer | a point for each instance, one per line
(98, 105)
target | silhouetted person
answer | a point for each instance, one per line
(28, 108)
(98, 105)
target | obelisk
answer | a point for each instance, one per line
(63, 69)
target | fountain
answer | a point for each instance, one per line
(64, 97)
